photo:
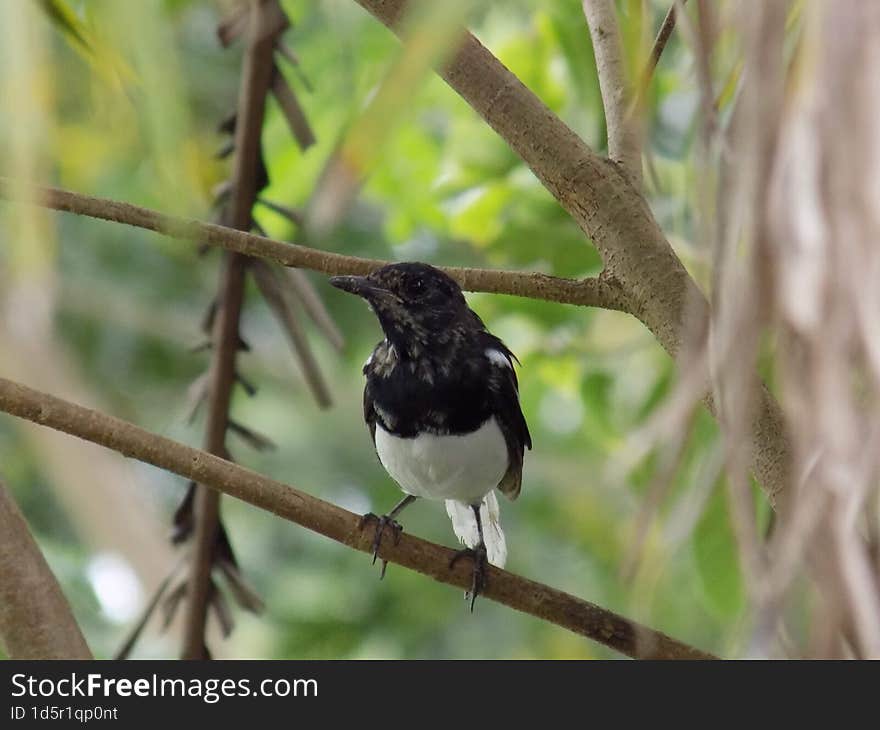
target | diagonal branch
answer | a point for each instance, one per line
(624, 138)
(662, 38)
(660, 41)
(273, 292)
(35, 618)
(549, 604)
(595, 292)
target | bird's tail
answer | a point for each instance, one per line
(464, 524)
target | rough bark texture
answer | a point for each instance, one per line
(35, 619)
(341, 525)
(600, 198)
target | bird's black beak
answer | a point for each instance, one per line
(359, 285)
(352, 284)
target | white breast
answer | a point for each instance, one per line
(463, 467)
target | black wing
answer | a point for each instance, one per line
(504, 388)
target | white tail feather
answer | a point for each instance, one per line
(465, 526)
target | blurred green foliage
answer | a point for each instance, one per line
(445, 190)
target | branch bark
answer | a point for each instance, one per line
(601, 291)
(662, 39)
(35, 618)
(266, 23)
(601, 199)
(549, 604)
(624, 138)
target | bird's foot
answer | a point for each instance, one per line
(382, 523)
(480, 573)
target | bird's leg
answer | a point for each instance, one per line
(478, 555)
(383, 522)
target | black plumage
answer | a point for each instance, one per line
(438, 371)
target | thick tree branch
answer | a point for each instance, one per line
(35, 619)
(624, 139)
(524, 595)
(603, 202)
(594, 292)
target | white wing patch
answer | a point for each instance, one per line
(496, 357)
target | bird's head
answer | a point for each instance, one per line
(417, 305)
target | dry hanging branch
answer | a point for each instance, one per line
(293, 112)
(265, 23)
(304, 291)
(35, 618)
(546, 603)
(272, 289)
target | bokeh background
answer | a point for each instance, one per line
(107, 316)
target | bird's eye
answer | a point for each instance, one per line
(415, 286)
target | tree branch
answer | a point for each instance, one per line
(662, 39)
(603, 202)
(592, 292)
(35, 618)
(524, 595)
(266, 23)
(624, 139)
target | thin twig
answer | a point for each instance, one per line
(254, 439)
(549, 604)
(293, 215)
(662, 39)
(288, 55)
(271, 289)
(232, 26)
(293, 112)
(304, 291)
(592, 292)
(135, 632)
(657, 49)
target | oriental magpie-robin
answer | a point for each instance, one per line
(442, 405)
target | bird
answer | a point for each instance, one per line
(441, 402)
